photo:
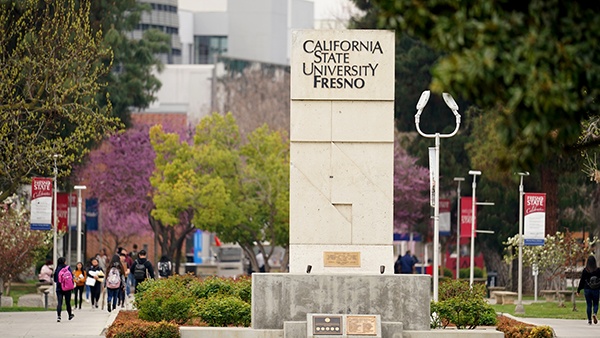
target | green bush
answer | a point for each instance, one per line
(211, 286)
(448, 273)
(461, 305)
(223, 310)
(466, 273)
(142, 329)
(165, 299)
(242, 287)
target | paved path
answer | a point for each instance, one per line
(88, 322)
(567, 328)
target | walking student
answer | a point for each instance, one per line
(64, 284)
(590, 283)
(80, 276)
(165, 267)
(142, 269)
(114, 281)
(94, 280)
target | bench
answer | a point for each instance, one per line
(550, 295)
(505, 297)
(41, 287)
(493, 289)
(567, 294)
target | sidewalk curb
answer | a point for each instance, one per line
(110, 320)
(526, 322)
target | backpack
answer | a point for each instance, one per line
(65, 278)
(139, 270)
(114, 279)
(594, 283)
(164, 269)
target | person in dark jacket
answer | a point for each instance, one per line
(59, 291)
(142, 269)
(591, 295)
(96, 272)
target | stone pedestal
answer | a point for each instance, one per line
(279, 298)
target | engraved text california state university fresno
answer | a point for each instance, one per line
(332, 66)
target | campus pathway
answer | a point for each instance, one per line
(567, 328)
(87, 322)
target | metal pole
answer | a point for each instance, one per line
(519, 308)
(472, 263)
(458, 179)
(69, 228)
(79, 209)
(54, 219)
(454, 107)
(436, 219)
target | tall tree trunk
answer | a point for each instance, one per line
(550, 187)
(493, 262)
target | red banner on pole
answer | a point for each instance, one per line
(62, 209)
(466, 212)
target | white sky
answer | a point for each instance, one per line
(333, 9)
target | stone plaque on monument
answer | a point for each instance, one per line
(327, 325)
(341, 259)
(361, 325)
(342, 151)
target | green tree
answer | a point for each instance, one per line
(538, 60)
(131, 82)
(238, 192)
(49, 77)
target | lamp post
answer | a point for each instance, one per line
(79, 188)
(471, 272)
(436, 175)
(519, 308)
(55, 216)
(458, 179)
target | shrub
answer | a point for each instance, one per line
(461, 305)
(515, 329)
(223, 310)
(138, 328)
(212, 286)
(466, 273)
(165, 299)
(242, 288)
(448, 273)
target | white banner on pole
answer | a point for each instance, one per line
(444, 217)
(535, 219)
(432, 182)
(41, 203)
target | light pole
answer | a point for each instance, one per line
(458, 179)
(436, 215)
(519, 308)
(79, 188)
(55, 216)
(471, 272)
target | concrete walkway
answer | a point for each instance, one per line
(87, 322)
(565, 328)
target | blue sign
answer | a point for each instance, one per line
(198, 246)
(91, 214)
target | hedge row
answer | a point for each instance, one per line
(516, 329)
(178, 299)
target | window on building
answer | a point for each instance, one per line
(206, 47)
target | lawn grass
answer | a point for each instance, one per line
(546, 310)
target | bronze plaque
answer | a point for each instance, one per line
(341, 259)
(361, 325)
(327, 325)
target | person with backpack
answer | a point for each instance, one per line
(114, 281)
(64, 284)
(165, 267)
(590, 283)
(142, 269)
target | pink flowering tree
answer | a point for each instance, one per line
(411, 186)
(118, 174)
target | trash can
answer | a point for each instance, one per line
(492, 280)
